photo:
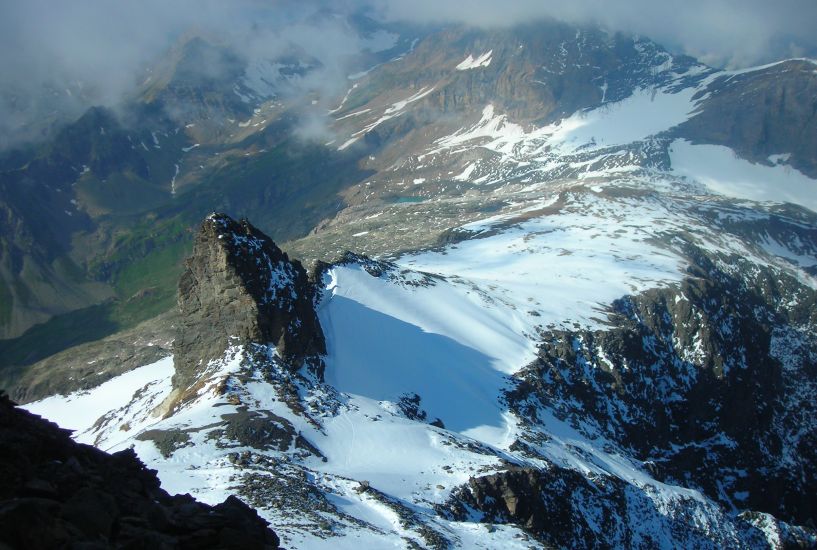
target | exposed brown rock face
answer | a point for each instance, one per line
(240, 288)
(59, 494)
(552, 505)
(762, 113)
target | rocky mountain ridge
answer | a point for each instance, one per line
(553, 503)
(211, 137)
(586, 320)
(666, 411)
(706, 384)
(762, 113)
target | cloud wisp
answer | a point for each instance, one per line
(61, 57)
(732, 33)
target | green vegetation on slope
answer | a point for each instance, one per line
(287, 190)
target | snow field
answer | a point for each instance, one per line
(130, 395)
(471, 62)
(722, 172)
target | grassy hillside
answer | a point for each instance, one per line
(286, 190)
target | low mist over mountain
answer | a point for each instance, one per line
(404, 275)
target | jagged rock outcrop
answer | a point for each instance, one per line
(711, 384)
(59, 494)
(565, 509)
(239, 288)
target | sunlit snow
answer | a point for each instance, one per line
(722, 171)
(475, 63)
(80, 410)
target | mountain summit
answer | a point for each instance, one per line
(239, 288)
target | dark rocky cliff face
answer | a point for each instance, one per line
(240, 288)
(762, 113)
(564, 509)
(709, 384)
(59, 494)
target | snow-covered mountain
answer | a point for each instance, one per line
(554, 107)
(590, 320)
(497, 389)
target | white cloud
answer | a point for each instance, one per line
(102, 47)
(721, 32)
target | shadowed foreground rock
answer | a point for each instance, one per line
(56, 493)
